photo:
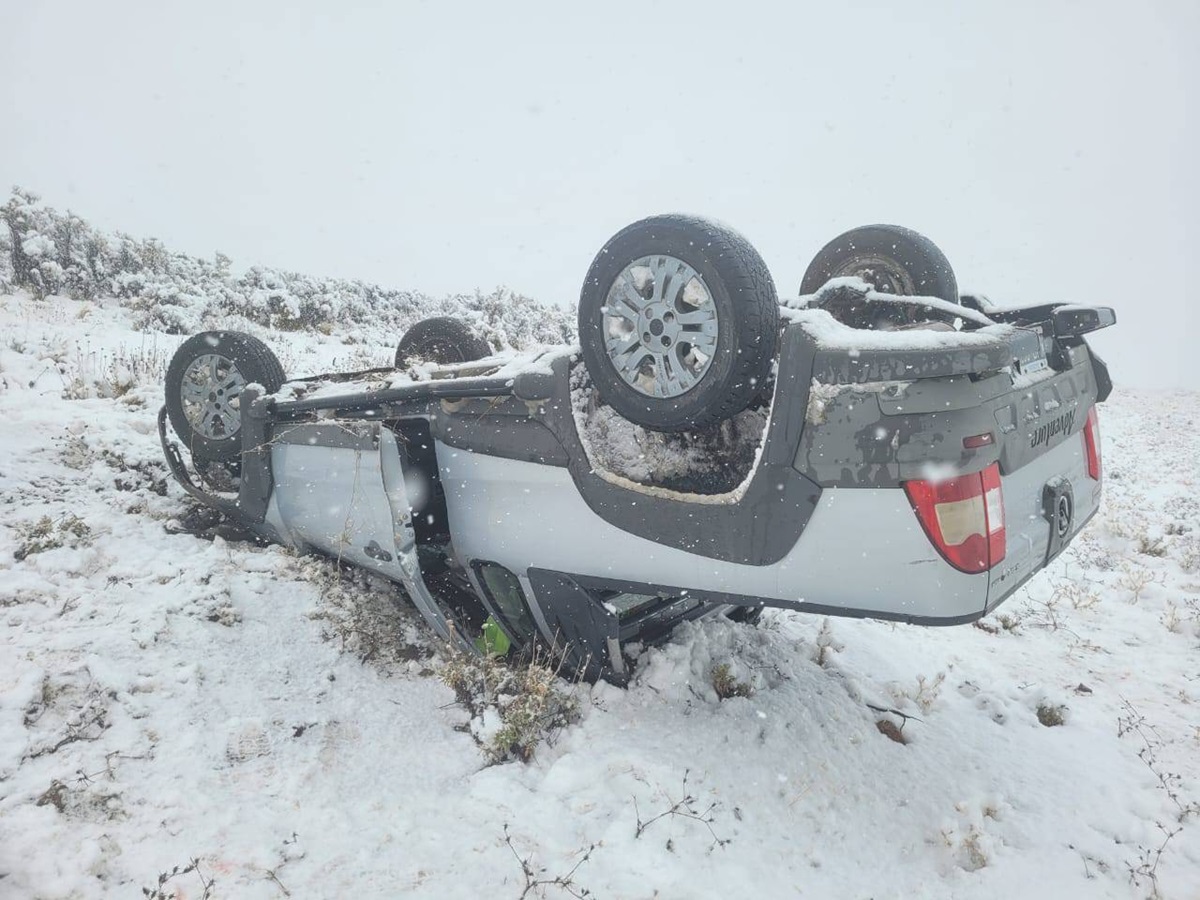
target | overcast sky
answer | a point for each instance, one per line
(1049, 148)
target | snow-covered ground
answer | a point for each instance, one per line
(164, 699)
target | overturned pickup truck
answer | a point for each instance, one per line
(879, 447)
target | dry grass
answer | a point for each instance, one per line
(727, 685)
(1136, 579)
(825, 644)
(1050, 715)
(1079, 594)
(50, 534)
(924, 695)
(526, 701)
(1148, 546)
(365, 615)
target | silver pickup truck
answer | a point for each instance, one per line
(879, 447)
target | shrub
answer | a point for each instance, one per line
(726, 685)
(49, 534)
(47, 252)
(1050, 715)
(514, 706)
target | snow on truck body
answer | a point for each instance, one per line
(915, 459)
(869, 478)
(863, 550)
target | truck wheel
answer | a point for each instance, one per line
(204, 384)
(442, 340)
(894, 260)
(678, 323)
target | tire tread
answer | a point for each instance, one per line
(748, 283)
(254, 360)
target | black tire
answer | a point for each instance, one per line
(893, 259)
(747, 315)
(253, 362)
(442, 340)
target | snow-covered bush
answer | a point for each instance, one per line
(514, 706)
(49, 534)
(47, 252)
(726, 683)
(7, 275)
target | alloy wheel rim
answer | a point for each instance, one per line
(881, 273)
(209, 394)
(660, 326)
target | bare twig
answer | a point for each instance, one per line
(275, 878)
(684, 809)
(894, 712)
(534, 881)
(1133, 722)
(1149, 859)
(193, 865)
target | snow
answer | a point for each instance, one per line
(164, 698)
(506, 364)
(711, 465)
(819, 397)
(870, 295)
(830, 334)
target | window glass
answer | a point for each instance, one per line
(504, 590)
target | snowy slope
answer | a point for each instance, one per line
(164, 699)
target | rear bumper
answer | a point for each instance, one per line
(993, 602)
(1031, 543)
(995, 598)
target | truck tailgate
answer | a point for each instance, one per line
(1048, 485)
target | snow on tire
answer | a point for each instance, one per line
(891, 258)
(442, 340)
(678, 323)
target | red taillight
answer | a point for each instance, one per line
(964, 517)
(993, 506)
(1091, 444)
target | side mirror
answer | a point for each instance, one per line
(1073, 321)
